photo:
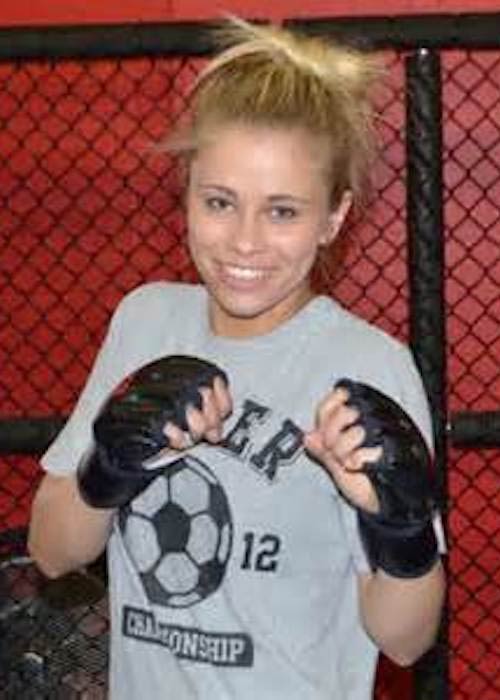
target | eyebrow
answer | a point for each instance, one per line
(277, 198)
(273, 198)
(213, 186)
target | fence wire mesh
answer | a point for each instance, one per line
(89, 210)
(472, 177)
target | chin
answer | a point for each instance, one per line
(243, 312)
(239, 304)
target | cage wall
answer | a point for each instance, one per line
(89, 209)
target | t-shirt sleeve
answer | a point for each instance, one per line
(75, 439)
(142, 328)
(411, 394)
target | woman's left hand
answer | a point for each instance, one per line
(336, 441)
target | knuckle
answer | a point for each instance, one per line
(194, 419)
(206, 395)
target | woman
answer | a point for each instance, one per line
(268, 483)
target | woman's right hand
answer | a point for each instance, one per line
(205, 423)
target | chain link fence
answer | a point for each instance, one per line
(472, 175)
(89, 210)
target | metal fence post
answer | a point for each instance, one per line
(426, 279)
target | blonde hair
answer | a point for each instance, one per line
(270, 76)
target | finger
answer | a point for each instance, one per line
(342, 441)
(338, 435)
(222, 397)
(334, 414)
(329, 404)
(212, 416)
(367, 455)
(313, 442)
(205, 423)
(196, 423)
(356, 486)
(218, 405)
(178, 439)
(348, 475)
(210, 409)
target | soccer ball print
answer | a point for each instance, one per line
(178, 532)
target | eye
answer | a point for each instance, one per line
(283, 213)
(217, 203)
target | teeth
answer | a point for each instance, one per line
(244, 273)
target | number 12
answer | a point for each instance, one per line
(261, 553)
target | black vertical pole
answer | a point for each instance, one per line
(427, 304)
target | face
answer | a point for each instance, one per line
(258, 210)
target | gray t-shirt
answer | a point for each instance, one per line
(233, 576)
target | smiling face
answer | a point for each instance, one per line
(258, 209)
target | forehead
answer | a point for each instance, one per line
(262, 153)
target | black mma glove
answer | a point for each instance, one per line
(129, 429)
(400, 538)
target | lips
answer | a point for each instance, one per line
(244, 276)
(239, 272)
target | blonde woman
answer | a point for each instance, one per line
(261, 562)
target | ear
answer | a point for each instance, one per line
(336, 219)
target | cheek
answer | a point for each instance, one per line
(192, 240)
(201, 245)
(196, 249)
(202, 230)
(203, 241)
(303, 251)
(197, 231)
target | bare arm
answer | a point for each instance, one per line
(402, 615)
(65, 533)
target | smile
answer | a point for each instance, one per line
(244, 273)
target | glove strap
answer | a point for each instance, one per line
(104, 484)
(409, 551)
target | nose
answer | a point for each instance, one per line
(248, 234)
